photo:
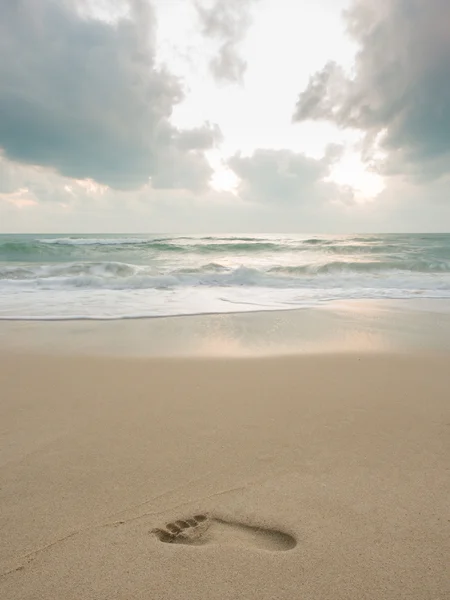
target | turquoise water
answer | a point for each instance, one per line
(118, 276)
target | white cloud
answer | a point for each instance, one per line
(281, 177)
(227, 22)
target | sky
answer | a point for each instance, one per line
(198, 116)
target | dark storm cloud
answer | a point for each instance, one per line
(227, 21)
(84, 96)
(400, 88)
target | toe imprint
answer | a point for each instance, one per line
(200, 518)
(164, 536)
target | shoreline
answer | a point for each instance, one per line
(352, 326)
(441, 305)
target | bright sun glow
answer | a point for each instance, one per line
(223, 179)
(352, 172)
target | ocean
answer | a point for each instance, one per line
(129, 276)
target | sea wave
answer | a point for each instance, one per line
(68, 241)
(415, 253)
(117, 275)
(366, 266)
(67, 247)
(101, 270)
(127, 241)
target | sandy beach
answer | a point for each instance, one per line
(224, 300)
(311, 476)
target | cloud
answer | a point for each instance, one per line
(84, 96)
(292, 196)
(282, 177)
(278, 191)
(399, 91)
(36, 199)
(40, 185)
(228, 22)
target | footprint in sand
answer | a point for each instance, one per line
(203, 529)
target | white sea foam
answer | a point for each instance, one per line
(80, 241)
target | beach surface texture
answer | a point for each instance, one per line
(304, 475)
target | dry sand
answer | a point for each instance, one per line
(303, 477)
